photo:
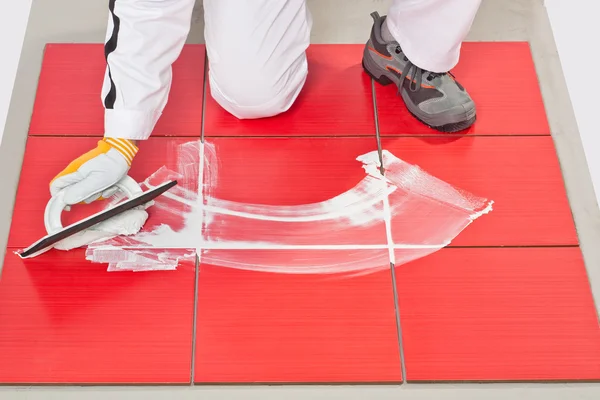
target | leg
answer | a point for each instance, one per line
(144, 38)
(431, 32)
(257, 54)
(414, 47)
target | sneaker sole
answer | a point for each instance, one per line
(446, 128)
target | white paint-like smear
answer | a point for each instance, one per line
(128, 223)
(399, 217)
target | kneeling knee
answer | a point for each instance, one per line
(248, 92)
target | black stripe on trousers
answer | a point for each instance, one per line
(109, 47)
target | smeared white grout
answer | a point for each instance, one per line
(200, 197)
(209, 245)
(387, 217)
(311, 238)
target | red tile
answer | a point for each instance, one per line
(499, 315)
(289, 326)
(336, 100)
(46, 156)
(273, 327)
(65, 320)
(68, 99)
(291, 173)
(501, 78)
(520, 174)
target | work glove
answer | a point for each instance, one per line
(93, 175)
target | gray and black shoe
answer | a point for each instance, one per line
(435, 99)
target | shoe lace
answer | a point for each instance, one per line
(417, 75)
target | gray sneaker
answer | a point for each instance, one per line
(435, 99)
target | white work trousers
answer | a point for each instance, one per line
(256, 52)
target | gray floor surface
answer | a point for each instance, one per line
(335, 21)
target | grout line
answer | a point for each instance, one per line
(294, 136)
(209, 245)
(195, 320)
(201, 202)
(204, 87)
(344, 136)
(398, 322)
(465, 135)
(516, 246)
(387, 219)
(390, 242)
(376, 118)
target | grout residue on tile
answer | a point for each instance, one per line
(413, 213)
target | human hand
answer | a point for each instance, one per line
(93, 175)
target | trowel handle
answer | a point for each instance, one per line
(56, 205)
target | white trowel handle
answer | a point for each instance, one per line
(56, 205)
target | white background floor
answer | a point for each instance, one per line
(13, 25)
(575, 27)
(576, 33)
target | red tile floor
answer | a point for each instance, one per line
(508, 300)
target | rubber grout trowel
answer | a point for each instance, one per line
(136, 197)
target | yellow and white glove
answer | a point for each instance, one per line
(93, 175)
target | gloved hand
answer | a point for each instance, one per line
(93, 175)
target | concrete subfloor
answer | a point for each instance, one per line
(335, 21)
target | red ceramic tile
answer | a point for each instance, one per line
(501, 78)
(282, 324)
(336, 100)
(287, 174)
(520, 174)
(65, 320)
(273, 327)
(46, 156)
(499, 315)
(68, 99)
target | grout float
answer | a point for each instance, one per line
(408, 213)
